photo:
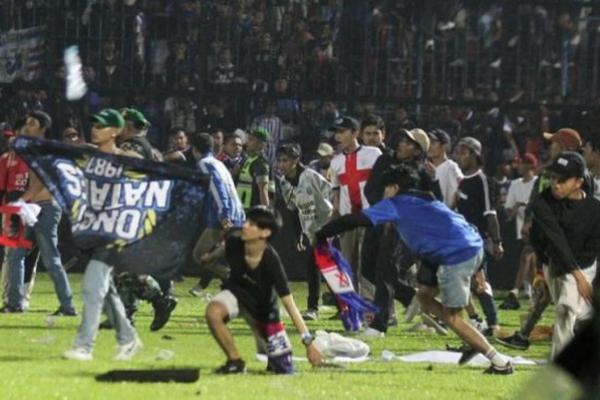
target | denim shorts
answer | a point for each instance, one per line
(454, 281)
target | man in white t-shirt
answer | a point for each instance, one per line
(517, 198)
(350, 171)
(447, 172)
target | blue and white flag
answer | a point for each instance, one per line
(139, 216)
(338, 275)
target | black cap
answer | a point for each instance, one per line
(291, 150)
(439, 135)
(44, 119)
(343, 123)
(569, 164)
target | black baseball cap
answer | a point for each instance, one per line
(568, 164)
(44, 119)
(344, 122)
(291, 150)
(439, 135)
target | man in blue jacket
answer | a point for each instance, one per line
(439, 236)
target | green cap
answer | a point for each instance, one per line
(260, 133)
(108, 117)
(135, 116)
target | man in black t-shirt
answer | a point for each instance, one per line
(256, 279)
(475, 204)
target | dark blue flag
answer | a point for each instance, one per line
(139, 216)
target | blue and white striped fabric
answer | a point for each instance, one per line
(222, 198)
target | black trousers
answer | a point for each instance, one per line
(313, 279)
(393, 261)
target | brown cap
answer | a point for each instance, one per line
(568, 138)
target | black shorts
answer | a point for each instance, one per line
(427, 274)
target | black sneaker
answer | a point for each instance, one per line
(467, 352)
(495, 370)
(510, 303)
(163, 308)
(11, 310)
(62, 312)
(310, 315)
(232, 367)
(516, 341)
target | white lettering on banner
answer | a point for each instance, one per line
(337, 280)
(73, 176)
(114, 208)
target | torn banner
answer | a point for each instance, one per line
(338, 275)
(139, 216)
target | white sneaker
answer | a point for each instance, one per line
(196, 291)
(372, 333)
(78, 354)
(128, 351)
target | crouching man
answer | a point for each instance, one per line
(438, 236)
(257, 277)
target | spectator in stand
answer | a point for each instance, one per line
(270, 122)
(224, 73)
(518, 196)
(323, 163)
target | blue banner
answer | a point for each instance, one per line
(139, 216)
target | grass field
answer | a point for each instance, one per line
(31, 367)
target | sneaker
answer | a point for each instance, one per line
(163, 308)
(65, 312)
(478, 324)
(516, 341)
(393, 321)
(232, 367)
(490, 332)
(495, 370)
(11, 310)
(434, 323)
(468, 353)
(372, 333)
(310, 315)
(78, 354)
(128, 351)
(196, 291)
(510, 303)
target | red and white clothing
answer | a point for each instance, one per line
(14, 174)
(349, 174)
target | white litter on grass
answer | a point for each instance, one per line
(46, 339)
(50, 321)
(448, 357)
(164, 355)
(263, 358)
